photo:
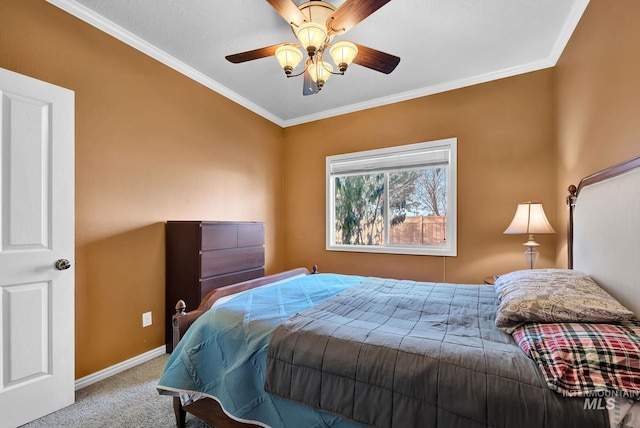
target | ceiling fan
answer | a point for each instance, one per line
(315, 23)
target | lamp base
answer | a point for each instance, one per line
(531, 256)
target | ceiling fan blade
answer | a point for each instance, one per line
(310, 86)
(375, 59)
(288, 10)
(254, 54)
(351, 12)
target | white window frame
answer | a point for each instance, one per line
(450, 249)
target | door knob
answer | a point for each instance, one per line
(63, 264)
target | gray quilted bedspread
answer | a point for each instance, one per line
(389, 353)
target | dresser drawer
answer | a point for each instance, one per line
(218, 262)
(221, 236)
(250, 235)
(232, 278)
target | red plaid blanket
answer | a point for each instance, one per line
(579, 359)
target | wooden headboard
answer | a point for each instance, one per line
(604, 230)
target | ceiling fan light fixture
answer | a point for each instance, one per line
(317, 11)
(289, 57)
(311, 36)
(320, 72)
(343, 54)
(315, 24)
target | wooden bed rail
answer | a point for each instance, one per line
(182, 320)
(208, 409)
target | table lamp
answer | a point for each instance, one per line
(529, 220)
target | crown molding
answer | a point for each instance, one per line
(87, 15)
(90, 17)
(423, 92)
(569, 27)
(550, 61)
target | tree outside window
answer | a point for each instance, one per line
(395, 200)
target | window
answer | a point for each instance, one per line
(398, 200)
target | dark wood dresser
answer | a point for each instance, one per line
(204, 255)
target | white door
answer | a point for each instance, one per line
(36, 230)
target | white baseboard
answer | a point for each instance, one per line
(120, 367)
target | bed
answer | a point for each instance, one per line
(325, 350)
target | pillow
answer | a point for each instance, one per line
(582, 360)
(554, 295)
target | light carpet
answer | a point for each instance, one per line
(128, 399)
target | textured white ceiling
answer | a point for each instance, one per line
(443, 45)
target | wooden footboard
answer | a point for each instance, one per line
(208, 409)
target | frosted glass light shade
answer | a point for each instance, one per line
(289, 57)
(311, 35)
(343, 53)
(320, 71)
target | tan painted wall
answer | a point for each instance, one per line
(505, 132)
(151, 145)
(598, 98)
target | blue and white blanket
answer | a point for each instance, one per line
(223, 354)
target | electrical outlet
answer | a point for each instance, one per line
(146, 319)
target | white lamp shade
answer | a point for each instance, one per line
(311, 35)
(343, 52)
(288, 56)
(320, 71)
(530, 219)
